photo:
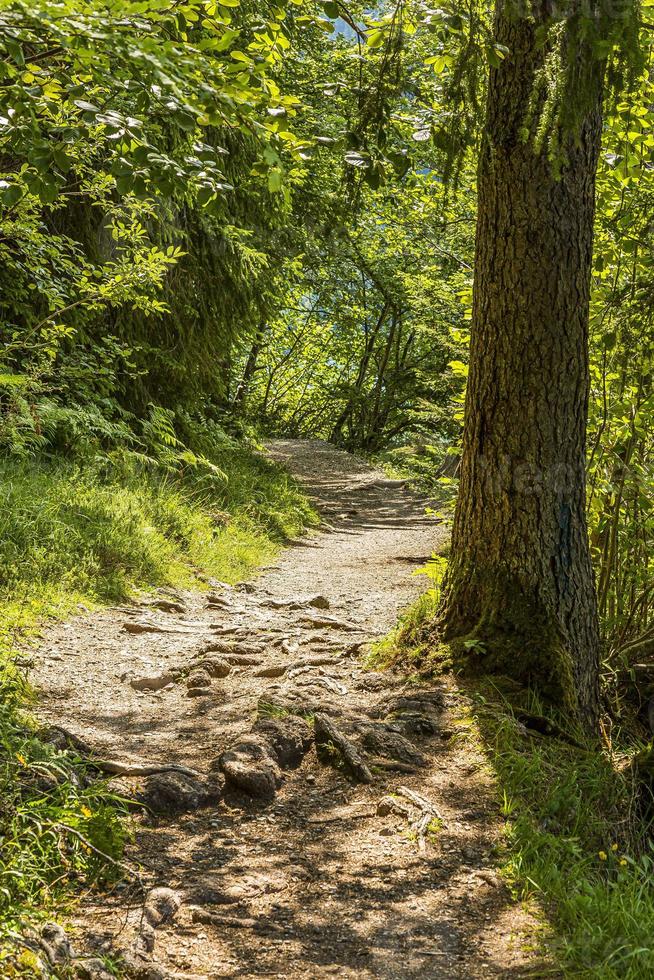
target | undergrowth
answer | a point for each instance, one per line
(575, 849)
(60, 831)
(573, 845)
(410, 643)
(428, 468)
(92, 531)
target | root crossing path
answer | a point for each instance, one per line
(320, 818)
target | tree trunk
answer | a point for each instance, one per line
(353, 395)
(249, 369)
(520, 581)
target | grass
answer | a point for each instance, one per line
(95, 532)
(575, 848)
(409, 644)
(573, 843)
(266, 709)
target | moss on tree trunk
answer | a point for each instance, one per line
(520, 579)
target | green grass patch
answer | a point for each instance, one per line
(73, 532)
(573, 844)
(411, 642)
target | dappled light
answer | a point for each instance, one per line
(326, 489)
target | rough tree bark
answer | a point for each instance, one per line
(520, 579)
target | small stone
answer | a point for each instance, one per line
(251, 766)
(385, 806)
(319, 602)
(393, 804)
(274, 670)
(175, 792)
(490, 878)
(161, 905)
(215, 667)
(198, 678)
(152, 682)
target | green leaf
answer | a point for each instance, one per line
(355, 159)
(331, 9)
(274, 180)
(11, 194)
(86, 106)
(185, 121)
(14, 50)
(48, 192)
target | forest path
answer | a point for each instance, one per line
(319, 880)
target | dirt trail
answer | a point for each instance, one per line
(319, 880)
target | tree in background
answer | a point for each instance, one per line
(120, 153)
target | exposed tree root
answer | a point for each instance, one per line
(63, 739)
(418, 810)
(326, 733)
(113, 768)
